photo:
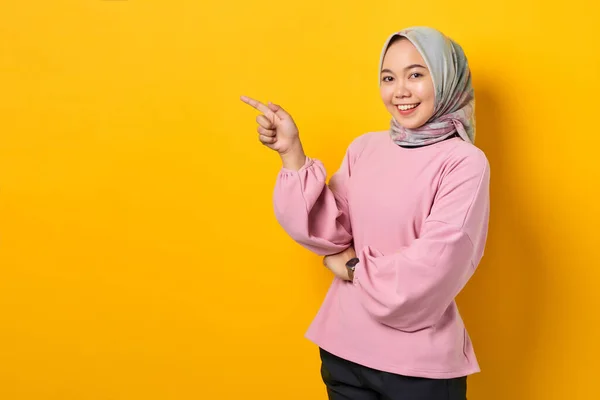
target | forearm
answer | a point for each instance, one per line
(308, 210)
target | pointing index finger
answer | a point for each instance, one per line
(256, 104)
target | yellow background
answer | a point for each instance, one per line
(139, 254)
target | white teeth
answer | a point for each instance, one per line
(406, 107)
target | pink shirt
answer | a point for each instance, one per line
(418, 219)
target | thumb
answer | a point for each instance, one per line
(279, 111)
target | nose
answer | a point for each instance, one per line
(400, 89)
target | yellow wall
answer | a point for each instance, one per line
(139, 255)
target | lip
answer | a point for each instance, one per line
(406, 112)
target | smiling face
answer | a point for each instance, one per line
(406, 85)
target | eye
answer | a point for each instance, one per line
(416, 75)
(387, 79)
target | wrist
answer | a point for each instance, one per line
(294, 158)
(350, 266)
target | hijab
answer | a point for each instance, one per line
(454, 110)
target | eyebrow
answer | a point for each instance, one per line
(407, 68)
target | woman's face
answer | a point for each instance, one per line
(406, 85)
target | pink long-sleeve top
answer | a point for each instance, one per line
(418, 220)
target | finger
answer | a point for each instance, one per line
(265, 122)
(267, 139)
(266, 132)
(256, 104)
(279, 111)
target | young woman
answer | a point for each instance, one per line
(402, 224)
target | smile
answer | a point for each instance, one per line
(406, 107)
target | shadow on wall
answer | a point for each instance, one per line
(503, 303)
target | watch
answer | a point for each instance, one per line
(351, 266)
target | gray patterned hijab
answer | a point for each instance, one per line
(454, 110)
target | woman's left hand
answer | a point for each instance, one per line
(337, 263)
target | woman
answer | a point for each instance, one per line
(402, 224)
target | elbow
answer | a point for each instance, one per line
(321, 247)
(318, 244)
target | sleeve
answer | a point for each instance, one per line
(313, 213)
(411, 289)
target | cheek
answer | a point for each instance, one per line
(425, 92)
(386, 94)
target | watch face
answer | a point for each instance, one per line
(352, 262)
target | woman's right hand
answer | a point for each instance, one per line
(278, 131)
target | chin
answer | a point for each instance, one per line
(409, 123)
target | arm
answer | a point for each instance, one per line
(313, 213)
(412, 288)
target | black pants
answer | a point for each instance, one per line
(346, 380)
